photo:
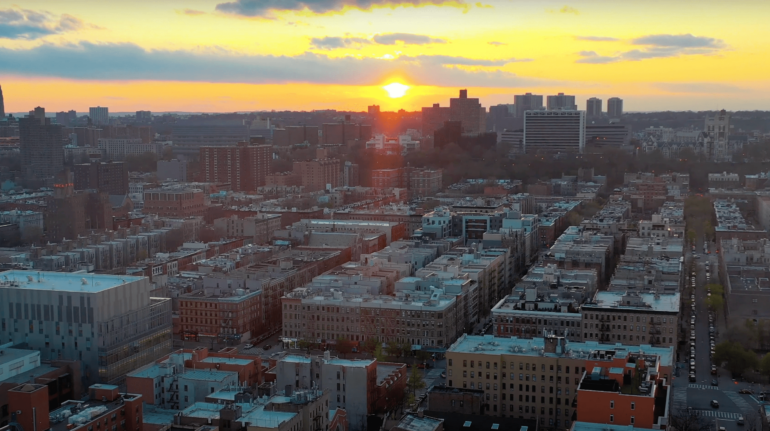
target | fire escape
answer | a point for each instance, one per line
(604, 328)
(655, 332)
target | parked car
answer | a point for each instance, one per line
(740, 420)
(713, 369)
(267, 347)
(745, 391)
(714, 382)
(715, 404)
(248, 346)
(692, 377)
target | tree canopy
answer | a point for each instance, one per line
(737, 358)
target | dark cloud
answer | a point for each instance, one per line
(129, 62)
(406, 38)
(263, 8)
(330, 42)
(494, 43)
(658, 46)
(597, 38)
(28, 24)
(679, 41)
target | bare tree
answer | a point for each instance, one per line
(689, 420)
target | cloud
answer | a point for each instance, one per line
(16, 23)
(87, 61)
(266, 8)
(569, 9)
(678, 41)
(406, 39)
(494, 43)
(330, 42)
(658, 46)
(597, 38)
(192, 12)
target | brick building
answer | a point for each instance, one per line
(243, 166)
(283, 179)
(180, 202)
(110, 177)
(319, 173)
(433, 118)
(425, 182)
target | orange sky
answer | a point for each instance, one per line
(200, 55)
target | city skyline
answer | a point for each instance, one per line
(339, 54)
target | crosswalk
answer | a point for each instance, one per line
(702, 387)
(718, 414)
(739, 400)
(680, 398)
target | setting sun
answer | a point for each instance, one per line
(396, 90)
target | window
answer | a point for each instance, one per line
(633, 407)
(612, 418)
(632, 420)
(612, 404)
(450, 362)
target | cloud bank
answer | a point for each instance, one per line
(87, 61)
(266, 8)
(658, 46)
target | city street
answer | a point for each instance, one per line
(698, 395)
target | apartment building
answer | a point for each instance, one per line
(537, 378)
(360, 387)
(319, 174)
(632, 318)
(259, 227)
(243, 166)
(180, 202)
(432, 319)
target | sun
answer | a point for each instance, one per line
(396, 90)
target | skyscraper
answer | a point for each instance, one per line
(554, 132)
(718, 131)
(99, 115)
(527, 102)
(468, 112)
(561, 102)
(433, 118)
(42, 146)
(615, 107)
(2, 103)
(594, 107)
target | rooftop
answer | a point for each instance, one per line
(63, 281)
(664, 302)
(495, 346)
(590, 426)
(234, 361)
(413, 422)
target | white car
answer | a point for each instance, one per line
(248, 346)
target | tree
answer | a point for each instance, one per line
(689, 420)
(691, 236)
(344, 346)
(394, 349)
(737, 358)
(370, 344)
(716, 289)
(415, 381)
(764, 365)
(715, 302)
(378, 354)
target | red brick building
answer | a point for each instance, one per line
(222, 312)
(178, 202)
(244, 166)
(317, 174)
(283, 179)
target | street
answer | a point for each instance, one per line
(698, 395)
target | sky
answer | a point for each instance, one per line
(254, 55)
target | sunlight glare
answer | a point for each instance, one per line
(396, 90)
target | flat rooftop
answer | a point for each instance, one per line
(496, 346)
(232, 361)
(664, 302)
(63, 281)
(590, 426)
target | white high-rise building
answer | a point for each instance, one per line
(99, 115)
(554, 132)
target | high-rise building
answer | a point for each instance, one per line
(66, 118)
(501, 117)
(718, 131)
(373, 110)
(468, 112)
(615, 107)
(84, 317)
(42, 146)
(350, 175)
(243, 166)
(561, 102)
(527, 102)
(346, 133)
(144, 116)
(554, 132)
(99, 115)
(433, 118)
(319, 174)
(594, 107)
(2, 103)
(109, 177)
